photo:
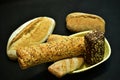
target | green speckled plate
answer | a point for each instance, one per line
(106, 54)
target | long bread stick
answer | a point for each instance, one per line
(50, 51)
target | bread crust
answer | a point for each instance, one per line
(32, 32)
(50, 52)
(65, 66)
(77, 22)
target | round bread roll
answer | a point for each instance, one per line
(32, 32)
(78, 21)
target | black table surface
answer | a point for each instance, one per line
(14, 13)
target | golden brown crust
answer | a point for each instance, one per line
(56, 37)
(77, 22)
(35, 32)
(65, 66)
(49, 52)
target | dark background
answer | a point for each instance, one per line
(14, 13)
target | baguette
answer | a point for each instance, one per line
(77, 22)
(50, 52)
(32, 32)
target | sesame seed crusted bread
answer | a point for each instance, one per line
(94, 43)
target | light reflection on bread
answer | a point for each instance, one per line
(32, 32)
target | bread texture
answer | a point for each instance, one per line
(95, 47)
(65, 66)
(77, 22)
(56, 37)
(32, 32)
(50, 51)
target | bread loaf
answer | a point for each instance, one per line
(32, 32)
(78, 21)
(50, 52)
(95, 47)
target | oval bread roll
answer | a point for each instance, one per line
(78, 21)
(32, 32)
